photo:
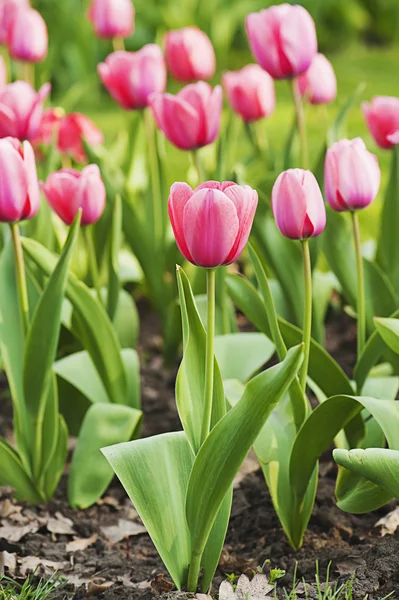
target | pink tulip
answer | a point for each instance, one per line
(112, 18)
(190, 119)
(19, 190)
(73, 129)
(21, 110)
(212, 223)
(250, 92)
(68, 190)
(130, 77)
(8, 8)
(298, 205)
(190, 54)
(351, 175)
(49, 126)
(282, 39)
(319, 83)
(27, 38)
(382, 118)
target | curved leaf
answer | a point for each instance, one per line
(13, 474)
(240, 355)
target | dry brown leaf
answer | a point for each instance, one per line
(108, 501)
(60, 525)
(7, 561)
(124, 529)
(161, 585)
(96, 587)
(44, 566)
(15, 533)
(81, 543)
(390, 523)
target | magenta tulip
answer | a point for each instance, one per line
(27, 38)
(73, 129)
(351, 175)
(319, 83)
(298, 205)
(282, 39)
(19, 190)
(212, 223)
(112, 18)
(191, 119)
(250, 92)
(131, 77)
(382, 118)
(21, 110)
(68, 190)
(8, 9)
(190, 54)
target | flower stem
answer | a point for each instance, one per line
(155, 176)
(209, 357)
(21, 277)
(300, 119)
(361, 303)
(307, 322)
(193, 574)
(93, 265)
(198, 166)
(118, 44)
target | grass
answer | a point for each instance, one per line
(31, 589)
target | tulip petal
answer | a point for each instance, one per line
(298, 31)
(90, 194)
(33, 197)
(180, 194)
(8, 122)
(359, 175)
(245, 200)
(315, 220)
(178, 120)
(60, 190)
(13, 183)
(289, 203)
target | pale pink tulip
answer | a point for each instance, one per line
(319, 83)
(112, 18)
(190, 54)
(27, 38)
(8, 8)
(212, 223)
(351, 175)
(382, 118)
(21, 110)
(250, 92)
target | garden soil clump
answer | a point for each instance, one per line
(105, 552)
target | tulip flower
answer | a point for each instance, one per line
(351, 175)
(191, 119)
(298, 205)
(282, 39)
(49, 126)
(21, 110)
(250, 92)
(190, 54)
(212, 223)
(68, 190)
(74, 128)
(27, 38)
(112, 18)
(131, 77)
(319, 83)
(382, 118)
(8, 8)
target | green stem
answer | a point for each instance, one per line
(93, 265)
(118, 44)
(300, 120)
(361, 302)
(209, 357)
(307, 322)
(21, 277)
(193, 574)
(198, 166)
(155, 176)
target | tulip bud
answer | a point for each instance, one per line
(250, 92)
(27, 38)
(351, 175)
(112, 18)
(19, 189)
(319, 84)
(21, 110)
(68, 190)
(282, 39)
(73, 129)
(190, 54)
(191, 119)
(382, 118)
(212, 223)
(298, 205)
(131, 77)
(8, 9)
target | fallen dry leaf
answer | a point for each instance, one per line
(389, 523)
(7, 561)
(161, 585)
(124, 529)
(108, 501)
(96, 587)
(15, 533)
(31, 564)
(60, 525)
(256, 589)
(81, 543)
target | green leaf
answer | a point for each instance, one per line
(354, 493)
(90, 473)
(114, 283)
(92, 325)
(154, 472)
(227, 445)
(126, 320)
(240, 355)
(336, 131)
(13, 474)
(55, 469)
(389, 331)
(190, 382)
(78, 369)
(388, 250)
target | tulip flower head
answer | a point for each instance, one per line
(282, 39)
(112, 18)
(73, 129)
(131, 77)
(297, 205)
(190, 54)
(351, 175)
(19, 190)
(8, 9)
(191, 119)
(319, 83)
(21, 110)
(27, 37)
(68, 190)
(250, 92)
(212, 223)
(382, 118)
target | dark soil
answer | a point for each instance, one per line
(130, 569)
